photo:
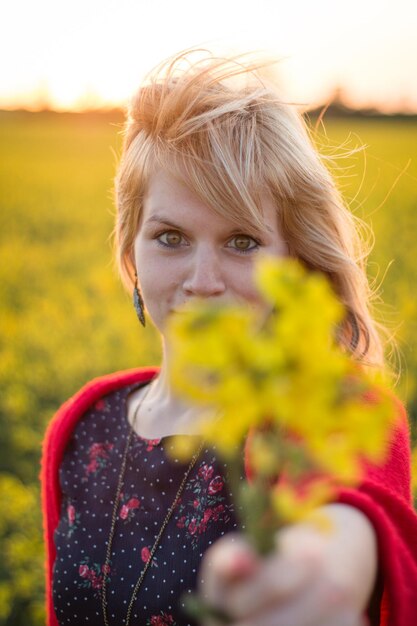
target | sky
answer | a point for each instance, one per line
(88, 53)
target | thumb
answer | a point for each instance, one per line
(231, 559)
(236, 560)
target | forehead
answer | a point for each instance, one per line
(169, 196)
(166, 189)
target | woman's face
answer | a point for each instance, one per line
(185, 250)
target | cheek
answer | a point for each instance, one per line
(243, 285)
(147, 266)
(153, 290)
(159, 287)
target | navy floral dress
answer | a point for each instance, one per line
(88, 475)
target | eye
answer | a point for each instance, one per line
(170, 238)
(243, 243)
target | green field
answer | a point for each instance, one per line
(66, 319)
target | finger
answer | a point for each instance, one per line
(236, 579)
(229, 560)
(321, 604)
(271, 619)
(281, 576)
(276, 582)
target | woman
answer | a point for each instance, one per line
(215, 170)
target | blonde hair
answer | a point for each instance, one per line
(220, 126)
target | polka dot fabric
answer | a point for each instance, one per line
(88, 476)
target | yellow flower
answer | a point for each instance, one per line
(264, 454)
(294, 505)
(288, 372)
(182, 447)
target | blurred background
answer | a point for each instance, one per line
(67, 71)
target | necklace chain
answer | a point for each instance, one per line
(161, 530)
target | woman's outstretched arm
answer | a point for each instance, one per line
(313, 578)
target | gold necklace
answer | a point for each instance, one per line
(161, 530)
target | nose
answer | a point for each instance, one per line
(204, 278)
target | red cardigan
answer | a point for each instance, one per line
(384, 496)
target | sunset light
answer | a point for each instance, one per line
(283, 214)
(87, 54)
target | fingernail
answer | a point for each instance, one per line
(241, 565)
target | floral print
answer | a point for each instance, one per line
(151, 443)
(140, 444)
(93, 575)
(152, 477)
(101, 405)
(207, 505)
(145, 555)
(73, 519)
(98, 454)
(163, 619)
(205, 471)
(128, 507)
(215, 485)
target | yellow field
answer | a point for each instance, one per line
(66, 319)
(380, 185)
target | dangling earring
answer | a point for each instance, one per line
(138, 303)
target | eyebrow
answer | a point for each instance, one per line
(160, 219)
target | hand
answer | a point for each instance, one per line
(313, 578)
